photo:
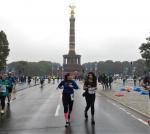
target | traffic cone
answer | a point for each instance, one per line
(119, 94)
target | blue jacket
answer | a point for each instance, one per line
(66, 88)
(11, 81)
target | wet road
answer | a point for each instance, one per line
(39, 111)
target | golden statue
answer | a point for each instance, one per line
(72, 7)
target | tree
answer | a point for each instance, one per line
(4, 50)
(34, 68)
(117, 67)
(145, 52)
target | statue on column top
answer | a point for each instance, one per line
(72, 7)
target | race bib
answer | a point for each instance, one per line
(72, 97)
(91, 90)
(2, 88)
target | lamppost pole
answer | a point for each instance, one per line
(62, 72)
(58, 71)
(52, 69)
(95, 69)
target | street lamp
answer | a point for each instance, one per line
(52, 69)
(58, 71)
(62, 72)
(95, 69)
(131, 63)
(86, 69)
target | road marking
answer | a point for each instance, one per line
(57, 110)
(116, 105)
(128, 113)
(134, 116)
(58, 106)
(144, 122)
(122, 109)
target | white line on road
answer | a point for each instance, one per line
(128, 113)
(116, 105)
(58, 106)
(134, 116)
(144, 122)
(57, 110)
(122, 109)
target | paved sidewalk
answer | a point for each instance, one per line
(134, 100)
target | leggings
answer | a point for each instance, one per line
(2, 99)
(90, 100)
(67, 103)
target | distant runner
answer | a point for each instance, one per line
(42, 81)
(11, 82)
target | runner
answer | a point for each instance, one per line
(49, 79)
(35, 80)
(53, 78)
(135, 80)
(110, 80)
(90, 87)
(11, 82)
(14, 85)
(68, 86)
(124, 80)
(3, 92)
(42, 81)
(29, 80)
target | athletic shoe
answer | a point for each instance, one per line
(67, 124)
(2, 112)
(92, 121)
(86, 115)
(8, 103)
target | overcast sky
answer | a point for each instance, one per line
(105, 29)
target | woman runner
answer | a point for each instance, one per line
(90, 87)
(68, 86)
